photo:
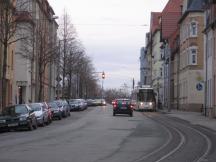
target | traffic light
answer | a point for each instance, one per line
(103, 75)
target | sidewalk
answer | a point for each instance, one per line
(195, 118)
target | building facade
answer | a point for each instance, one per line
(144, 67)
(145, 72)
(191, 56)
(34, 70)
(7, 19)
(210, 59)
(169, 25)
(157, 61)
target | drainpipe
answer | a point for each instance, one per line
(206, 74)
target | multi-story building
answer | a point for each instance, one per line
(7, 19)
(35, 72)
(210, 59)
(169, 25)
(144, 68)
(146, 62)
(157, 62)
(174, 71)
(191, 56)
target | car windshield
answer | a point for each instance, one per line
(15, 110)
(35, 107)
(53, 105)
(59, 103)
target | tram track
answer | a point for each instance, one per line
(181, 144)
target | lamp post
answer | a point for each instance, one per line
(102, 81)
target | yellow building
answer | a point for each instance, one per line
(6, 22)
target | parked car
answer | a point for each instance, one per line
(122, 106)
(77, 104)
(56, 112)
(41, 113)
(18, 116)
(90, 102)
(74, 104)
(50, 115)
(64, 107)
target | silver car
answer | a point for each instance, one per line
(41, 113)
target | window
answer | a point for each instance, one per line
(193, 29)
(192, 56)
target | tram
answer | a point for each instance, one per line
(143, 98)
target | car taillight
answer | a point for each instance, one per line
(114, 105)
(131, 106)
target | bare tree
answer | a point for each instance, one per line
(77, 67)
(67, 35)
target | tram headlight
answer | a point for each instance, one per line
(141, 103)
(150, 103)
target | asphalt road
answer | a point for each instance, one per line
(95, 135)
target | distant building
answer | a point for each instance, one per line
(191, 56)
(144, 68)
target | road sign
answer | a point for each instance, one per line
(199, 86)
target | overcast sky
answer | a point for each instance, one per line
(112, 31)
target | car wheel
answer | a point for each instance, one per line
(131, 114)
(69, 113)
(50, 121)
(43, 123)
(30, 126)
(35, 126)
(59, 117)
(113, 114)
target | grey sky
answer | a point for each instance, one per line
(112, 33)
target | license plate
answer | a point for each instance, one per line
(13, 125)
(123, 107)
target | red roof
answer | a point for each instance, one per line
(155, 25)
(170, 17)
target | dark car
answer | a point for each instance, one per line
(18, 116)
(56, 112)
(122, 106)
